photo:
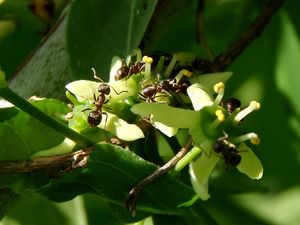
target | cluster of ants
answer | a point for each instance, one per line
(148, 92)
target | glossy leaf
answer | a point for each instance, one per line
(67, 213)
(47, 71)
(111, 172)
(114, 28)
(207, 81)
(22, 135)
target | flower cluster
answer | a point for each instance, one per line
(148, 91)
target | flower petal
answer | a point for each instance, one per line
(199, 97)
(168, 115)
(64, 147)
(85, 89)
(120, 128)
(169, 131)
(116, 63)
(209, 80)
(200, 170)
(250, 164)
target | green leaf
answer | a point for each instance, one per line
(47, 71)
(114, 28)
(207, 81)
(68, 213)
(22, 135)
(7, 113)
(97, 208)
(288, 62)
(111, 172)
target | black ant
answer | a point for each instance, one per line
(127, 71)
(232, 104)
(228, 150)
(149, 91)
(168, 87)
(95, 116)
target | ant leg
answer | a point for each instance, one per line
(142, 97)
(86, 109)
(106, 117)
(118, 92)
(95, 98)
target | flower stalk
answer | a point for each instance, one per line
(33, 111)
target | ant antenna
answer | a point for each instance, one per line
(95, 74)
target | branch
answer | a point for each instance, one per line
(64, 162)
(130, 202)
(201, 38)
(226, 58)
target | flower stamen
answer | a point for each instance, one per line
(171, 65)
(253, 137)
(219, 89)
(182, 73)
(148, 61)
(254, 105)
(220, 115)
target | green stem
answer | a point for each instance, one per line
(33, 111)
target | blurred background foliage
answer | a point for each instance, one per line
(83, 34)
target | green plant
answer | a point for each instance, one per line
(147, 136)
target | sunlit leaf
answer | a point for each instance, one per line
(22, 135)
(111, 172)
(114, 28)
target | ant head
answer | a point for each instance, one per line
(104, 89)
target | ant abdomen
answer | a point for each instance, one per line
(232, 104)
(94, 118)
(228, 151)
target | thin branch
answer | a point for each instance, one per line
(201, 38)
(65, 162)
(226, 58)
(130, 202)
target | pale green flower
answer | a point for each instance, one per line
(207, 124)
(81, 93)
